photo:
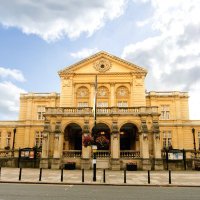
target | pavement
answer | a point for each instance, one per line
(74, 177)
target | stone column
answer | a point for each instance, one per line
(115, 146)
(86, 151)
(144, 147)
(158, 164)
(45, 146)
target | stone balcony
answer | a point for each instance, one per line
(100, 111)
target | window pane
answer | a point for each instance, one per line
(82, 104)
(102, 104)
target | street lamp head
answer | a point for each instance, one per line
(193, 130)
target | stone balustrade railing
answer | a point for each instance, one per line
(129, 154)
(103, 154)
(100, 110)
(72, 153)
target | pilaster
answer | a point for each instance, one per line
(112, 94)
(58, 141)
(115, 146)
(86, 151)
(44, 163)
(144, 146)
(158, 164)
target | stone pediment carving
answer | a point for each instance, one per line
(102, 65)
(102, 62)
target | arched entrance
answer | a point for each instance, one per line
(129, 139)
(72, 137)
(101, 132)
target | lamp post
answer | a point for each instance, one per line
(194, 142)
(13, 146)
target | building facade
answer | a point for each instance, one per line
(137, 124)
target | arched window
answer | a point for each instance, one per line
(82, 96)
(102, 96)
(122, 96)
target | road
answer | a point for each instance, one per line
(92, 192)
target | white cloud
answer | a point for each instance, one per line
(173, 55)
(194, 100)
(10, 93)
(52, 20)
(11, 73)
(84, 53)
(9, 100)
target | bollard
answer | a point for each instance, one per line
(61, 178)
(40, 177)
(170, 180)
(20, 174)
(149, 178)
(104, 175)
(184, 160)
(83, 176)
(124, 175)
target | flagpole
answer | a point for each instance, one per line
(95, 102)
(95, 123)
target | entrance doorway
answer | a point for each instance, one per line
(128, 137)
(72, 137)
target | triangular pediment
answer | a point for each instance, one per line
(102, 62)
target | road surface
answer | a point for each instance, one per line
(94, 192)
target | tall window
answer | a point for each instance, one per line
(199, 139)
(40, 112)
(102, 96)
(102, 104)
(8, 139)
(165, 114)
(38, 138)
(122, 96)
(167, 139)
(82, 95)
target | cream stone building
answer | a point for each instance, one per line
(138, 124)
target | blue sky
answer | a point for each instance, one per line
(38, 39)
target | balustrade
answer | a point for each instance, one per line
(129, 154)
(72, 153)
(103, 154)
(101, 110)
